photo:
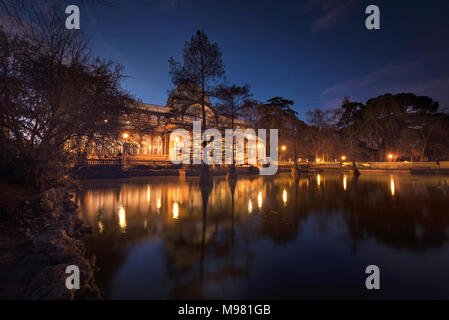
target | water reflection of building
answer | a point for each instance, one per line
(170, 213)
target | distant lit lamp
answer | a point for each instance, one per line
(343, 158)
(390, 156)
(125, 136)
(283, 148)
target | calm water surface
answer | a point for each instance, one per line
(269, 237)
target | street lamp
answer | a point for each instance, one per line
(125, 136)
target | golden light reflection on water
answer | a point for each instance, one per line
(175, 211)
(125, 206)
(100, 226)
(392, 186)
(122, 218)
(180, 225)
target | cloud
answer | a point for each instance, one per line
(423, 74)
(327, 12)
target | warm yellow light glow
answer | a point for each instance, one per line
(158, 203)
(122, 218)
(259, 145)
(100, 227)
(177, 139)
(259, 199)
(318, 160)
(284, 148)
(345, 182)
(250, 206)
(148, 194)
(343, 158)
(390, 156)
(125, 135)
(392, 186)
(175, 211)
(284, 196)
(318, 179)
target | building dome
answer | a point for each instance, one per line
(185, 95)
(185, 101)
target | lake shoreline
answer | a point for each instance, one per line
(39, 241)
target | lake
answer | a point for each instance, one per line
(269, 237)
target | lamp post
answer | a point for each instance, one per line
(343, 159)
(283, 148)
(125, 136)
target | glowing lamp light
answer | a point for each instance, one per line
(343, 158)
(318, 160)
(390, 156)
(284, 148)
(125, 135)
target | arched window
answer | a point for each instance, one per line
(146, 145)
(157, 145)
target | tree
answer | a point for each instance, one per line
(202, 63)
(279, 114)
(232, 100)
(322, 133)
(349, 126)
(389, 123)
(55, 99)
(250, 112)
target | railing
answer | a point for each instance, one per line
(103, 162)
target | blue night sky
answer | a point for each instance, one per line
(314, 52)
